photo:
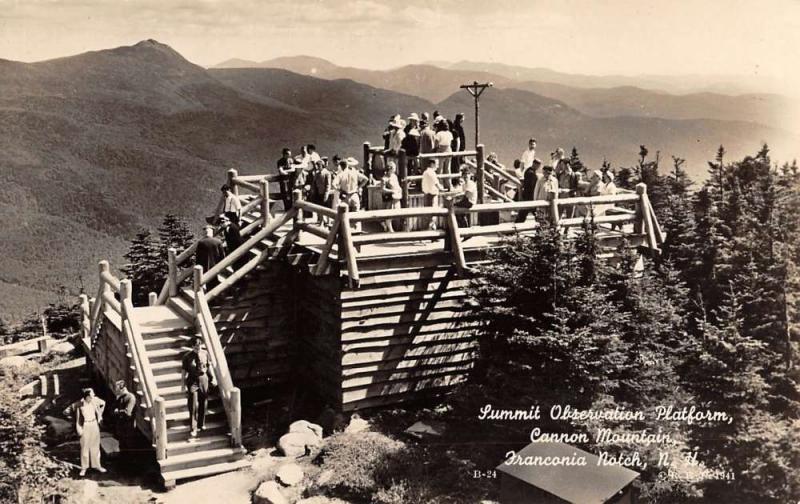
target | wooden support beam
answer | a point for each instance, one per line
(402, 174)
(555, 214)
(235, 416)
(455, 237)
(160, 434)
(266, 216)
(479, 158)
(172, 271)
(232, 174)
(330, 240)
(297, 195)
(347, 248)
(152, 299)
(647, 222)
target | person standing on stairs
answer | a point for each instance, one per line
(196, 377)
(208, 253)
(88, 415)
(233, 239)
(229, 204)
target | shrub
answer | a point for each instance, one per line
(354, 460)
(28, 473)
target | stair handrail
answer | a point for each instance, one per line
(154, 403)
(176, 276)
(231, 396)
(242, 249)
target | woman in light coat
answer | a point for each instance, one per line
(88, 415)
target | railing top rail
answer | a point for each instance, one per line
(270, 177)
(438, 175)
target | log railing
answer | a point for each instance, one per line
(259, 199)
(93, 311)
(231, 396)
(451, 234)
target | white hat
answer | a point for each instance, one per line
(351, 161)
(413, 117)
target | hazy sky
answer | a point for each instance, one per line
(748, 38)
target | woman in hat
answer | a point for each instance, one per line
(88, 415)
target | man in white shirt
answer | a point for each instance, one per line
(431, 188)
(529, 155)
(229, 205)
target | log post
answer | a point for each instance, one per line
(402, 174)
(152, 299)
(346, 247)
(160, 434)
(647, 219)
(266, 217)
(56, 385)
(367, 160)
(453, 238)
(479, 162)
(172, 265)
(103, 267)
(555, 216)
(43, 385)
(197, 283)
(236, 417)
(232, 174)
(297, 195)
(85, 311)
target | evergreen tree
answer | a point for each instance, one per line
(575, 161)
(174, 233)
(145, 267)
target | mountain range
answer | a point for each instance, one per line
(598, 96)
(96, 146)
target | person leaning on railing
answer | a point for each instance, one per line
(392, 192)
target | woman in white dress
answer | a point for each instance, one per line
(88, 414)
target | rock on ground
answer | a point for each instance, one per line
(14, 362)
(290, 474)
(303, 426)
(294, 444)
(269, 492)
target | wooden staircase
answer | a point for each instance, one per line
(167, 335)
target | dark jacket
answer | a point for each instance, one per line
(528, 184)
(209, 252)
(232, 237)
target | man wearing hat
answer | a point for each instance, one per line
(546, 188)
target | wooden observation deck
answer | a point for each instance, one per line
(364, 319)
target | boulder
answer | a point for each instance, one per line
(59, 429)
(356, 425)
(14, 362)
(269, 492)
(63, 347)
(290, 474)
(303, 426)
(297, 444)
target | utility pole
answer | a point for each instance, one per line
(476, 90)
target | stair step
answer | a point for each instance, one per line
(168, 367)
(183, 415)
(180, 404)
(161, 355)
(200, 443)
(209, 470)
(201, 458)
(183, 308)
(181, 432)
(168, 379)
(164, 342)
